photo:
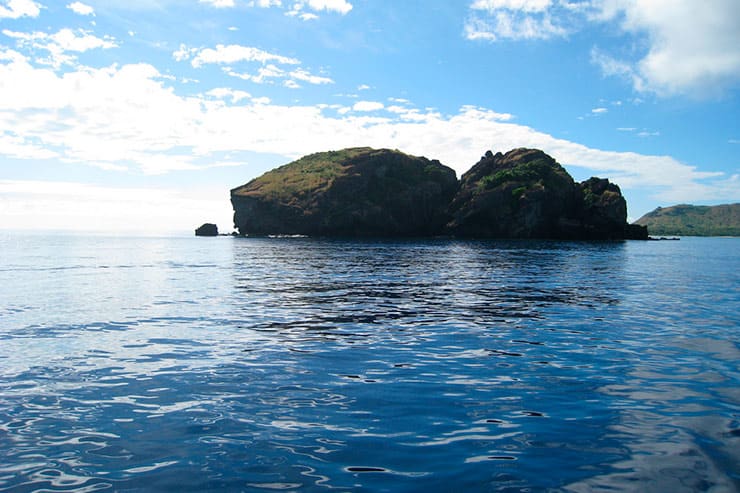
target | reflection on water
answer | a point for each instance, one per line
(296, 364)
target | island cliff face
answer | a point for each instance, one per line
(521, 194)
(366, 192)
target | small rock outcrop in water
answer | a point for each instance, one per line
(353, 192)
(207, 229)
(366, 192)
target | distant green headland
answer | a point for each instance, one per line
(694, 220)
(364, 192)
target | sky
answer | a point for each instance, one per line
(141, 115)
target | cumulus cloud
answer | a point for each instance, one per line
(368, 106)
(226, 93)
(689, 48)
(693, 47)
(81, 8)
(15, 9)
(340, 6)
(128, 117)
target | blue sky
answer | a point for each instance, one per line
(140, 115)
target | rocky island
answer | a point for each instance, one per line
(364, 192)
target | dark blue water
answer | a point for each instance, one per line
(226, 364)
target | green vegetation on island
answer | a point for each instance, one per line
(693, 220)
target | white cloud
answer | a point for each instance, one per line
(690, 48)
(18, 147)
(265, 74)
(127, 117)
(523, 5)
(81, 8)
(15, 9)
(219, 3)
(340, 6)
(494, 20)
(184, 53)
(265, 3)
(226, 93)
(368, 106)
(599, 111)
(268, 72)
(60, 43)
(224, 54)
(305, 76)
(300, 7)
(306, 9)
(693, 47)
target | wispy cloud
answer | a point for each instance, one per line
(15, 9)
(219, 3)
(270, 67)
(60, 44)
(226, 54)
(495, 20)
(306, 10)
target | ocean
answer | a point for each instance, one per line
(294, 364)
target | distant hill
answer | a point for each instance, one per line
(693, 220)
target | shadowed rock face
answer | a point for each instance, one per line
(353, 192)
(365, 192)
(526, 194)
(207, 229)
(521, 194)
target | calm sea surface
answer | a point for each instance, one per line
(231, 364)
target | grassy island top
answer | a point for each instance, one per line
(315, 173)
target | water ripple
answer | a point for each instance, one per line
(303, 365)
